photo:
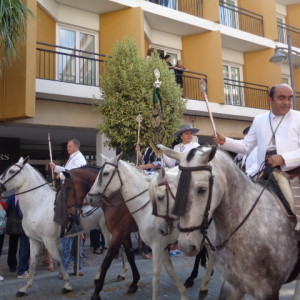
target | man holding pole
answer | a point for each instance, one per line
(76, 160)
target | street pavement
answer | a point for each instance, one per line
(48, 286)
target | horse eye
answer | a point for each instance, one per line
(11, 171)
(105, 173)
(201, 190)
(160, 198)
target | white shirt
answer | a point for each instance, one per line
(170, 162)
(287, 138)
(76, 160)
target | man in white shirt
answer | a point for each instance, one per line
(276, 135)
(76, 160)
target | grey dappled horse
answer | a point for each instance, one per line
(262, 254)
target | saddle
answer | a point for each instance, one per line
(285, 186)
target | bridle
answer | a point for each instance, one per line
(2, 185)
(203, 227)
(106, 199)
(169, 193)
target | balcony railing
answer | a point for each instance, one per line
(191, 83)
(242, 19)
(284, 30)
(247, 94)
(192, 7)
(69, 65)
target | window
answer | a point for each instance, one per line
(281, 29)
(228, 14)
(73, 65)
(163, 52)
(233, 85)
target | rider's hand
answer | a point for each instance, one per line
(275, 160)
(52, 165)
(219, 139)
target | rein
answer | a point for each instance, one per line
(167, 216)
(27, 191)
(105, 199)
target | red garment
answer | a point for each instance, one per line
(4, 205)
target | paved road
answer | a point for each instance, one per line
(47, 285)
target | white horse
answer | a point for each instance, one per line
(36, 200)
(257, 245)
(162, 189)
(119, 175)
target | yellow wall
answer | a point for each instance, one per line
(258, 70)
(198, 56)
(266, 8)
(211, 10)
(17, 85)
(293, 13)
(116, 25)
(46, 27)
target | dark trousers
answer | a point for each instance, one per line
(97, 239)
(1, 242)
(24, 253)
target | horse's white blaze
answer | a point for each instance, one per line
(135, 182)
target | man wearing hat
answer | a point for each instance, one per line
(185, 133)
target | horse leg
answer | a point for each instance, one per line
(135, 273)
(229, 292)
(190, 280)
(51, 245)
(208, 273)
(34, 251)
(124, 270)
(297, 291)
(170, 270)
(157, 254)
(100, 277)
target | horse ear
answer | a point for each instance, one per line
(119, 156)
(170, 152)
(26, 160)
(213, 152)
(103, 159)
(161, 175)
(67, 174)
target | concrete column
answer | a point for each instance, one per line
(101, 149)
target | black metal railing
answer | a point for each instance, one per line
(191, 84)
(192, 7)
(247, 94)
(240, 18)
(284, 30)
(69, 65)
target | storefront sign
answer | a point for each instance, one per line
(9, 152)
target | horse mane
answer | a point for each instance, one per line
(152, 189)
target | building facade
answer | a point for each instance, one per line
(228, 43)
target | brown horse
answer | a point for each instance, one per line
(118, 219)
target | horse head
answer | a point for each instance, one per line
(9, 179)
(162, 191)
(108, 182)
(194, 193)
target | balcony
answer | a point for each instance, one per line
(192, 7)
(241, 93)
(284, 30)
(242, 19)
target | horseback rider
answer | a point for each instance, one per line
(275, 133)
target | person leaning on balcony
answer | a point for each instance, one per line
(168, 62)
(275, 133)
(179, 69)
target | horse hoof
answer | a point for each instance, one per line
(120, 278)
(203, 294)
(20, 294)
(132, 289)
(66, 291)
(189, 282)
(95, 297)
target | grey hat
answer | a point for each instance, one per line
(184, 128)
